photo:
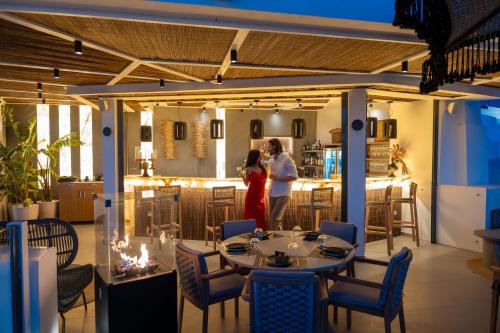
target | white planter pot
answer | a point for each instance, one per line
(48, 209)
(21, 213)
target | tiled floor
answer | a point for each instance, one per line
(441, 294)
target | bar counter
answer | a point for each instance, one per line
(197, 191)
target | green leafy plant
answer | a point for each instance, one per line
(18, 171)
(47, 165)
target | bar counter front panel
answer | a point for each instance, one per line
(197, 191)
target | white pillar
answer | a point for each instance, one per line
(356, 163)
(112, 144)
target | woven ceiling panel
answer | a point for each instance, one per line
(33, 94)
(68, 78)
(21, 86)
(155, 73)
(238, 73)
(37, 101)
(203, 72)
(146, 40)
(322, 52)
(23, 45)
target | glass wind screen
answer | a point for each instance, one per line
(86, 156)
(64, 129)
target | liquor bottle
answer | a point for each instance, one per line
(319, 144)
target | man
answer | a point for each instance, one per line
(283, 173)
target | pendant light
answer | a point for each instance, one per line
(390, 126)
(371, 123)
(39, 86)
(57, 74)
(256, 126)
(180, 127)
(162, 83)
(78, 47)
(217, 127)
(404, 66)
(298, 124)
(234, 56)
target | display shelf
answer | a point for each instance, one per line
(312, 166)
(320, 151)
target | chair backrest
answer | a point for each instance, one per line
(388, 195)
(171, 189)
(229, 229)
(495, 219)
(395, 276)
(413, 191)
(140, 188)
(284, 302)
(223, 193)
(321, 195)
(191, 265)
(342, 230)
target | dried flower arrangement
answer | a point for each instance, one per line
(398, 153)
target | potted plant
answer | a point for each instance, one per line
(47, 163)
(397, 155)
(18, 170)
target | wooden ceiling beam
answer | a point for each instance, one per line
(398, 62)
(85, 101)
(172, 71)
(50, 68)
(127, 70)
(238, 40)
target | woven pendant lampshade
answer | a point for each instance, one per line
(180, 130)
(256, 129)
(371, 127)
(298, 128)
(216, 129)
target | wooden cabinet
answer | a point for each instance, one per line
(76, 202)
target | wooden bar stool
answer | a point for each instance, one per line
(222, 197)
(321, 199)
(413, 223)
(144, 212)
(175, 192)
(385, 230)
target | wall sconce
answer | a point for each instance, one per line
(216, 129)
(298, 128)
(371, 127)
(180, 130)
(256, 129)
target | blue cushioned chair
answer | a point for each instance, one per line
(230, 229)
(201, 287)
(380, 299)
(286, 302)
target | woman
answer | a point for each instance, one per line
(255, 178)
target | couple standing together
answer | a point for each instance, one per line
(282, 173)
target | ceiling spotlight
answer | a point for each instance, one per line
(39, 86)
(219, 79)
(204, 109)
(39, 95)
(276, 110)
(162, 83)
(241, 110)
(234, 56)
(78, 47)
(404, 66)
(56, 73)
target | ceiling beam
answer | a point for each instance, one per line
(398, 62)
(35, 82)
(238, 40)
(479, 81)
(30, 92)
(86, 102)
(181, 62)
(126, 71)
(172, 71)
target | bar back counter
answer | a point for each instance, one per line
(197, 191)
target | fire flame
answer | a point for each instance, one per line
(142, 262)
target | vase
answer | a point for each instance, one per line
(48, 209)
(24, 213)
(392, 168)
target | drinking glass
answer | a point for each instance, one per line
(293, 249)
(322, 239)
(258, 233)
(297, 230)
(253, 243)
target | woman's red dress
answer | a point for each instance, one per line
(255, 203)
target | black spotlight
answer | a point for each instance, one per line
(404, 66)
(219, 79)
(78, 47)
(56, 73)
(162, 83)
(39, 86)
(234, 56)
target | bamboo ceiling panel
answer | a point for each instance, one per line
(267, 48)
(34, 94)
(203, 72)
(146, 40)
(240, 73)
(22, 86)
(414, 67)
(37, 101)
(155, 73)
(415, 91)
(41, 75)
(26, 46)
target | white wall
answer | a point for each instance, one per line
(328, 118)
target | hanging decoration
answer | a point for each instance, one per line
(199, 133)
(463, 38)
(216, 129)
(167, 138)
(146, 132)
(299, 124)
(390, 125)
(256, 125)
(180, 127)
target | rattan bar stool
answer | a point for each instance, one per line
(321, 199)
(222, 197)
(413, 223)
(386, 230)
(175, 192)
(142, 206)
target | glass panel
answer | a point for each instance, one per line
(86, 156)
(64, 129)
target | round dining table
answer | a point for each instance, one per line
(308, 256)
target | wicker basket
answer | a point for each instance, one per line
(336, 135)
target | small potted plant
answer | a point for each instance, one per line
(47, 164)
(397, 155)
(18, 170)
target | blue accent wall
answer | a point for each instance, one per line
(363, 10)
